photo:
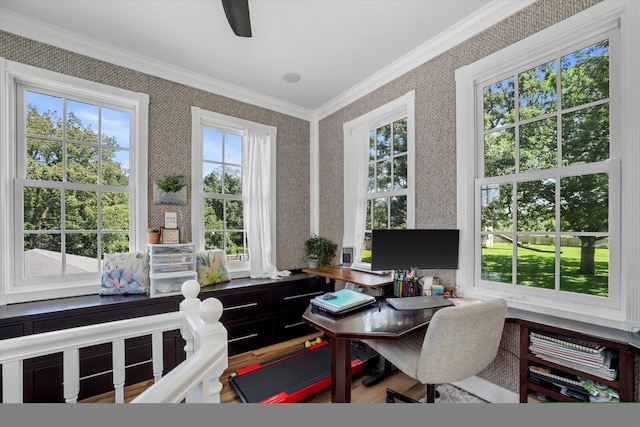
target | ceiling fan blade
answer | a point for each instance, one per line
(237, 12)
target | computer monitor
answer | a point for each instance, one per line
(414, 248)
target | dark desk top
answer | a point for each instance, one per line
(384, 322)
(344, 274)
(380, 321)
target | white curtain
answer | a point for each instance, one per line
(356, 164)
(258, 199)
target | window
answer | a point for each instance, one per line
(379, 174)
(544, 197)
(387, 178)
(74, 163)
(222, 146)
(222, 185)
(541, 192)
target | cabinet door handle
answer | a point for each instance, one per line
(235, 307)
(246, 337)
(293, 325)
(302, 295)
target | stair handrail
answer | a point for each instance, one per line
(198, 321)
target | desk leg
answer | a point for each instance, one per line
(340, 370)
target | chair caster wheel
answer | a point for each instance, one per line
(390, 399)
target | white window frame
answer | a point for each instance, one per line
(620, 310)
(202, 118)
(385, 114)
(12, 74)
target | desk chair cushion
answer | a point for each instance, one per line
(404, 353)
(458, 343)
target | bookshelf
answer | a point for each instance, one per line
(563, 365)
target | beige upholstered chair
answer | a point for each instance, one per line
(459, 342)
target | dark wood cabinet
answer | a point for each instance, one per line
(256, 313)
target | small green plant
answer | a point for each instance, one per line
(153, 230)
(319, 249)
(171, 184)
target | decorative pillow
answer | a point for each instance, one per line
(125, 273)
(211, 267)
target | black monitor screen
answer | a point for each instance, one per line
(414, 248)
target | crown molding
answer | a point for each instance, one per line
(64, 39)
(474, 24)
(484, 18)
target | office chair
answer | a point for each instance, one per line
(459, 342)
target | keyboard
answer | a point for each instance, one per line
(367, 270)
(419, 302)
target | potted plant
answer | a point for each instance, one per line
(319, 251)
(153, 235)
(170, 190)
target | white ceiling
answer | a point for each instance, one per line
(335, 45)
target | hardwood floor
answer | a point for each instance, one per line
(359, 393)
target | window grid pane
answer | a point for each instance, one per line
(222, 176)
(520, 128)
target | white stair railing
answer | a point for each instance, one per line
(197, 379)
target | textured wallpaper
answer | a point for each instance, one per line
(170, 135)
(434, 85)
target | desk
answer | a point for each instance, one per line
(376, 322)
(344, 274)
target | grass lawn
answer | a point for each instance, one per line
(538, 268)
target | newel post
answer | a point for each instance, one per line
(212, 336)
(189, 309)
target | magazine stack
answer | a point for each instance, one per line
(581, 355)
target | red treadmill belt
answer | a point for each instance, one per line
(291, 378)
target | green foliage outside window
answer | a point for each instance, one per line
(45, 157)
(523, 123)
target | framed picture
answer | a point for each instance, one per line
(169, 235)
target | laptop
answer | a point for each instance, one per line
(419, 302)
(342, 301)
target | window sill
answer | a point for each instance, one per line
(602, 317)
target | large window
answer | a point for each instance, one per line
(387, 178)
(546, 183)
(74, 166)
(379, 152)
(222, 185)
(541, 194)
(228, 192)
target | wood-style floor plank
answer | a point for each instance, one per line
(359, 393)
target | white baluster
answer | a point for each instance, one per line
(71, 375)
(157, 355)
(12, 382)
(212, 335)
(189, 307)
(117, 358)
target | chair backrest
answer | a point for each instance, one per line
(461, 341)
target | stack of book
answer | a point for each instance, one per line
(581, 355)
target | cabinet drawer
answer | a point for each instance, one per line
(295, 295)
(243, 305)
(169, 285)
(290, 325)
(179, 249)
(248, 336)
(162, 268)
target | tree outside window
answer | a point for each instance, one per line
(74, 185)
(544, 193)
(387, 180)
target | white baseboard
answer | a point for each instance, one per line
(488, 391)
